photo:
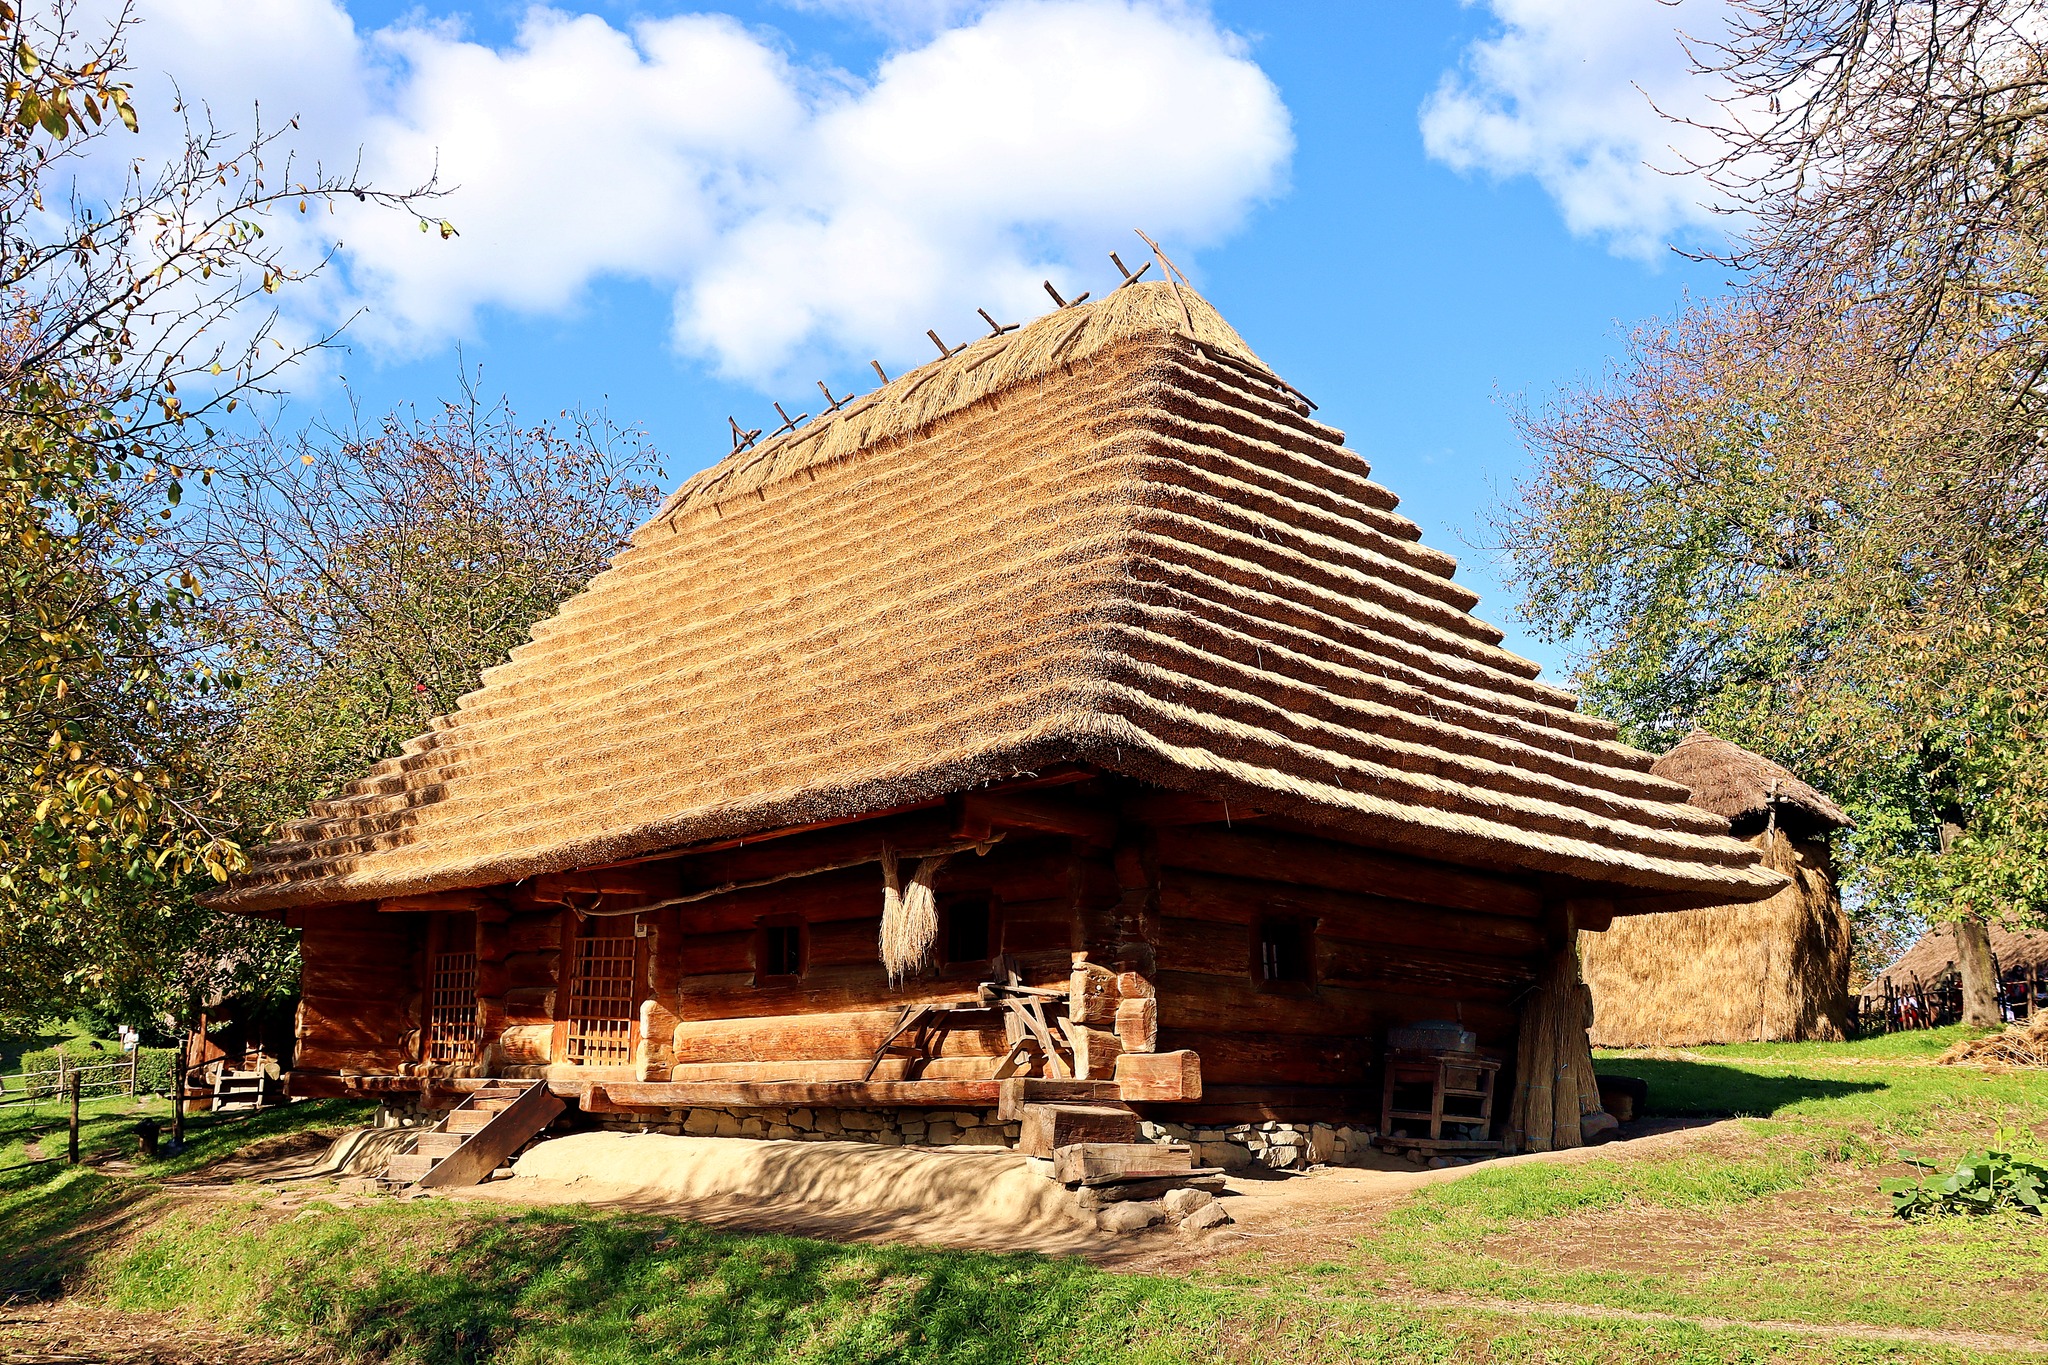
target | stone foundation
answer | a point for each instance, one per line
(1275, 1145)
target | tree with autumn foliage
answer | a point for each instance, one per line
(134, 324)
(1814, 518)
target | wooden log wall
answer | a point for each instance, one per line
(361, 1006)
(1392, 941)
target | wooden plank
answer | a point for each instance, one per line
(1049, 1127)
(1044, 814)
(1159, 1077)
(1241, 1057)
(1465, 976)
(1216, 1004)
(1348, 914)
(827, 1037)
(840, 1069)
(932, 1094)
(1307, 861)
(505, 1132)
(1092, 1163)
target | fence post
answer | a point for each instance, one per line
(75, 1087)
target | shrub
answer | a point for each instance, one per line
(1984, 1182)
(153, 1069)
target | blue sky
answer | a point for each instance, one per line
(1423, 211)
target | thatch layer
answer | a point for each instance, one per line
(1747, 788)
(1934, 957)
(1112, 538)
(1773, 971)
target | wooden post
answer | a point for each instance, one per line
(134, 1063)
(178, 1095)
(75, 1087)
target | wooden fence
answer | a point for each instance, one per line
(99, 1079)
(2023, 991)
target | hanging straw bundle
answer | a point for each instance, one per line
(910, 916)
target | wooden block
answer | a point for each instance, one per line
(1134, 986)
(1086, 1163)
(1095, 1051)
(1137, 1023)
(1159, 1077)
(1049, 1127)
(437, 1144)
(1092, 996)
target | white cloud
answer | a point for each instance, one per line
(792, 210)
(1563, 93)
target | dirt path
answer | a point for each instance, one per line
(70, 1332)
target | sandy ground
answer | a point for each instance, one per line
(969, 1198)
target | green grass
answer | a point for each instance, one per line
(456, 1283)
(1774, 1219)
(12, 1045)
(1910, 1045)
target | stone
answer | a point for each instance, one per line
(1280, 1158)
(860, 1121)
(1230, 1156)
(781, 1131)
(1598, 1127)
(1438, 1163)
(802, 1118)
(753, 1128)
(941, 1132)
(982, 1137)
(728, 1126)
(702, 1123)
(1210, 1215)
(1322, 1144)
(1129, 1217)
(1182, 1202)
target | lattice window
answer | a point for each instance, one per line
(451, 1011)
(601, 1007)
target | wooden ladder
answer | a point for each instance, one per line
(241, 1089)
(488, 1126)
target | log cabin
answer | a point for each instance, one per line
(1072, 717)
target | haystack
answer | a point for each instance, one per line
(1773, 971)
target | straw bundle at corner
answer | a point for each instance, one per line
(1773, 971)
(2024, 1044)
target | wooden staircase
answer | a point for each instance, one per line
(476, 1136)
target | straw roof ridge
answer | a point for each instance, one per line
(1730, 781)
(1109, 538)
(975, 372)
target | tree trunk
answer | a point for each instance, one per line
(1979, 972)
(1974, 963)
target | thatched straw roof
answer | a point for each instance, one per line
(1934, 956)
(1112, 537)
(1730, 781)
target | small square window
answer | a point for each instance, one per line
(1284, 951)
(782, 951)
(967, 930)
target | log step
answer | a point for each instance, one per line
(1049, 1127)
(438, 1144)
(406, 1169)
(468, 1120)
(1095, 1163)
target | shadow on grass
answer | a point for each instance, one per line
(404, 1283)
(54, 1217)
(1684, 1089)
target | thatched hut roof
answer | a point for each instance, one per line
(1734, 783)
(1934, 956)
(1112, 537)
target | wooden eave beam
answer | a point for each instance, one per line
(1012, 810)
(1161, 808)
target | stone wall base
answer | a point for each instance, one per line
(1273, 1144)
(883, 1127)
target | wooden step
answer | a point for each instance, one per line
(1049, 1127)
(439, 1144)
(490, 1106)
(409, 1168)
(492, 1135)
(1094, 1163)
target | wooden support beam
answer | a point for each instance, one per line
(1163, 808)
(1041, 814)
(1049, 1127)
(444, 902)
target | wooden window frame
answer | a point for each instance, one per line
(1305, 926)
(803, 950)
(569, 981)
(991, 934)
